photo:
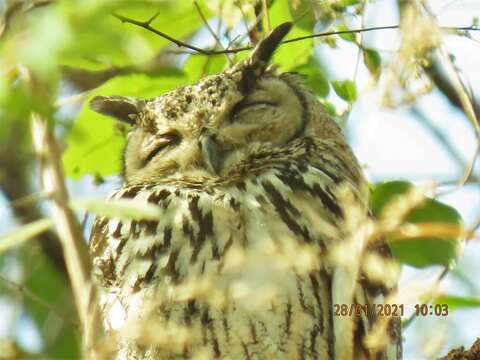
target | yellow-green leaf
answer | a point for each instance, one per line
(372, 61)
(348, 36)
(315, 77)
(290, 55)
(455, 302)
(346, 89)
(426, 250)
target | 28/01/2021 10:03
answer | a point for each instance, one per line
(388, 309)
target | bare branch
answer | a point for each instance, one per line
(146, 25)
(15, 184)
(267, 17)
(69, 231)
(210, 30)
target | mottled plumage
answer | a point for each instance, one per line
(248, 171)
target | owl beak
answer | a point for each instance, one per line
(210, 153)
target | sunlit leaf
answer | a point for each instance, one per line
(439, 246)
(372, 61)
(198, 66)
(329, 107)
(458, 302)
(94, 144)
(315, 77)
(103, 41)
(58, 323)
(350, 2)
(24, 233)
(346, 89)
(303, 11)
(351, 37)
(287, 56)
(119, 208)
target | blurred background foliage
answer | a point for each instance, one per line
(56, 55)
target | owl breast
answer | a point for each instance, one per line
(237, 269)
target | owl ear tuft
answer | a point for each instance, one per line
(122, 108)
(256, 64)
(264, 50)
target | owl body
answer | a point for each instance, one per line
(222, 240)
(247, 171)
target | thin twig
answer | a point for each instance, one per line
(267, 17)
(210, 30)
(146, 25)
(22, 289)
(72, 100)
(28, 200)
(70, 233)
(466, 100)
(448, 146)
(467, 174)
(407, 322)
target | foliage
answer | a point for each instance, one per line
(422, 251)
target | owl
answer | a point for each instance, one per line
(258, 195)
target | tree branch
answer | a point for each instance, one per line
(14, 183)
(147, 25)
(70, 233)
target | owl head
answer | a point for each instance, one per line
(229, 125)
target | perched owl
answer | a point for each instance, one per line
(257, 189)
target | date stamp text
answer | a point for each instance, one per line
(379, 310)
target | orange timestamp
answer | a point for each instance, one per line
(436, 309)
(388, 309)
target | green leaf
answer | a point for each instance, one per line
(455, 302)
(95, 143)
(329, 107)
(289, 55)
(423, 251)
(383, 192)
(124, 209)
(24, 233)
(58, 322)
(350, 2)
(315, 77)
(304, 12)
(102, 41)
(350, 37)
(197, 66)
(372, 61)
(346, 89)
